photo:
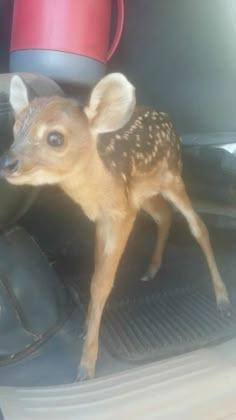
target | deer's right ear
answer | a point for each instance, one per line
(18, 94)
(111, 104)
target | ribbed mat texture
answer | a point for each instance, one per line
(164, 324)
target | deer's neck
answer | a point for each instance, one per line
(93, 187)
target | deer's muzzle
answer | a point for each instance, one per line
(8, 164)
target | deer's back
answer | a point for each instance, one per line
(141, 146)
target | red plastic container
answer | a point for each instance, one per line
(67, 40)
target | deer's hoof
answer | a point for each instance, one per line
(224, 308)
(146, 277)
(82, 374)
(149, 275)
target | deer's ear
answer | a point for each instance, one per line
(18, 94)
(111, 104)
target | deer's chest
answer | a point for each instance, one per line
(98, 199)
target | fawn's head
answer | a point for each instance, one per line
(52, 136)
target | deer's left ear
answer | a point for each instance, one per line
(111, 104)
(18, 94)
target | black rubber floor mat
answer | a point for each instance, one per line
(173, 314)
(164, 324)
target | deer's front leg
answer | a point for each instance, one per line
(111, 238)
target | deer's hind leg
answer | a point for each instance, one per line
(161, 212)
(175, 192)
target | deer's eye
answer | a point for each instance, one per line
(55, 139)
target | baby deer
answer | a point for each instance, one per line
(112, 159)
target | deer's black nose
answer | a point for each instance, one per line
(8, 164)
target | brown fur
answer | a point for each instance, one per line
(115, 160)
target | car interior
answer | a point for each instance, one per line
(165, 351)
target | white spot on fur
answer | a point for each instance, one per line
(124, 177)
(110, 148)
